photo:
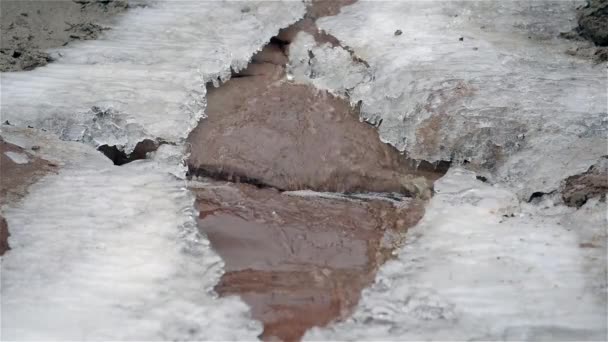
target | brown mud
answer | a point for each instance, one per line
(15, 178)
(264, 130)
(299, 261)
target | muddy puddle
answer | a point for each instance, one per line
(299, 259)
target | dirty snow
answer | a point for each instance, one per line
(482, 266)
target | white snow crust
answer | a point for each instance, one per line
(144, 78)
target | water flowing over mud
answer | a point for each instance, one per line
(300, 259)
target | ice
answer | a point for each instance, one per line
(482, 266)
(19, 158)
(147, 75)
(506, 98)
(101, 252)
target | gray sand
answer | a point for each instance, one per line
(29, 27)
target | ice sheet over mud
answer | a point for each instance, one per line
(101, 252)
(483, 82)
(105, 252)
(147, 74)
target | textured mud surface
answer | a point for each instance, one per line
(18, 170)
(295, 137)
(264, 130)
(31, 27)
(299, 260)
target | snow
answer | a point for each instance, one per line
(101, 252)
(482, 266)
(145, 78)
(507, 98)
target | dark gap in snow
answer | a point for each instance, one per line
(537, 196)
(209, 172)
(119, 157)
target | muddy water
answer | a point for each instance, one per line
(299, 261)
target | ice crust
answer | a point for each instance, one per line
(469, 273)
(101, 252)
(506, 98)
(147, 74)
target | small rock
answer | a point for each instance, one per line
(398, 33)
(35, 148)
(475, 48)
(461, 39)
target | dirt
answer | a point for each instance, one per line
(15, 178)
(577, 189)
(299, 261)
(30, 27)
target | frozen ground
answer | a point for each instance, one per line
(482, 82)
(107, 252)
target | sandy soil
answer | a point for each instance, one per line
(30, 27)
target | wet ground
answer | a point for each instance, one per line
(298, 259)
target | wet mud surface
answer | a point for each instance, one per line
(29, 28)
(18, 170)
(299, 261)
